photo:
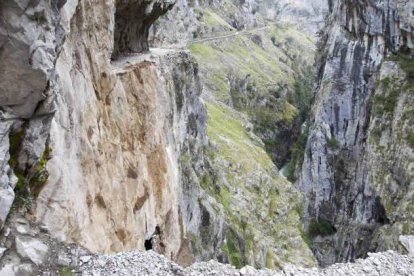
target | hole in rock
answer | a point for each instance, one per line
(148, 244)
(133, 20)
(380, 213)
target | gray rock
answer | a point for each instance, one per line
(85, 259)
(21, 229)
(2, 250)
(32, 249)
(408, 243)
(7, 270)
(24, 269)
(6, 201)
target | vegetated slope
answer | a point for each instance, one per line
(257, 75)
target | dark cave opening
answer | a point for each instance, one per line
(148, 244)
(133, 20)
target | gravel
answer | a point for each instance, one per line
(151, 263)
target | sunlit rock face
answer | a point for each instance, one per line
(351, 184)
(98, 142)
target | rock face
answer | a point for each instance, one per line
(31, 34)
(357, 172)
(121, 126)
(95, 144)
(132, 22)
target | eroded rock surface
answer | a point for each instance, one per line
(357, 172)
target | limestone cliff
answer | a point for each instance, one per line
(104, 142)
(91, 145)
(357, 171)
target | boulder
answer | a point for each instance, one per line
(32, 249)
(6, 201)
(408, 243)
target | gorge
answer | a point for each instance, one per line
(162, 125)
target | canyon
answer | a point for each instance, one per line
(163, 125)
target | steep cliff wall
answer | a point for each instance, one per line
(94, 145)
(352, 185)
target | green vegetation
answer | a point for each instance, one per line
(333, 143)
(410, 139)
(407, 64)
(376, 134)
(230, 248)
(15, 139)
(297, 153)
(386, 83)
(255, 84)
(65, 271)
(387, 103)
(305, 237)
(225, 128)
(320, 227)
(27, 186)
(40, 177)
(213, 20)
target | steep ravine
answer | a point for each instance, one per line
(108, 145)
(357, 174)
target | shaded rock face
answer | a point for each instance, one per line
(31, 35)
(132, 21)
(338, 175)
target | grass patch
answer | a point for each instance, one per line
(65, 271)
(386, 103)
(202, 51)
(376, 134)
(235, 144)
(410, 139)
(230, 248)
(39, 179)
(407, 64)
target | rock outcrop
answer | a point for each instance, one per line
(31, 36)
(357, 172)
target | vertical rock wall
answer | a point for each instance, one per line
(96, 145)
(341, 203)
